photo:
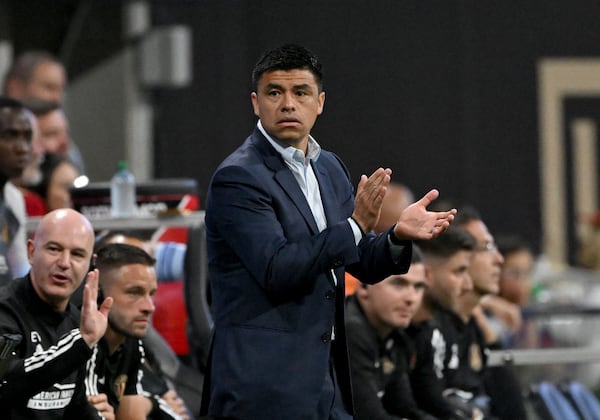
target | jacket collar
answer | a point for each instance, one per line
(284, 177)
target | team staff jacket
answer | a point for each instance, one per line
(380, 370)
(427, 378)
(120, 373)
(466, 357)
(42, 377)
(450, 356)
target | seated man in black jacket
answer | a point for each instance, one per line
(44, 341)
(127, 275)
(381, 355)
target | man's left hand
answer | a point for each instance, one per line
(416, 222)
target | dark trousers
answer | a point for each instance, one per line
(330, 404)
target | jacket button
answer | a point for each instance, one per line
(337, 263)
(329, 295)
(326, 337)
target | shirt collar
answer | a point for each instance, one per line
(290, 153)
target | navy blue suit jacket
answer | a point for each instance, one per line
(274, 298)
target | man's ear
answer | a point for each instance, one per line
(362, 291)
(320, 102)
(30, 249)
(255, 107)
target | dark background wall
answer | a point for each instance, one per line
(443, 92)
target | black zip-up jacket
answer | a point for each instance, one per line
(380, 370)
(42, 378)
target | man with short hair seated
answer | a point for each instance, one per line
(127, 275)
(381, 355)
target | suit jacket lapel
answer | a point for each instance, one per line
(328, 198)
(327, 193)
(285, 178)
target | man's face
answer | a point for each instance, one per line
(515, 282)
(15, 141)
(288, 103)
(54, 132)
(60, 256)
(47, 82)
(487, 262)
(449, 278)
(132, 288)
(393, 302)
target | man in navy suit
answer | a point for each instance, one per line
(282, 224)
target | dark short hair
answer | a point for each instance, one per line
(448, 243)
(113, 256)
(465, 215)
(509, 243)
(288, 57)
(50, 162)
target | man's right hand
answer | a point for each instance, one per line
(93, 319)
(100, 402)
(369, 198)
(176, 404)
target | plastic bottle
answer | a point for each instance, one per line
(122, 192)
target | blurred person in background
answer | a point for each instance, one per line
(16, 132)
(36, 74)
(519, 260)
(40, 76)
(52, 137)
(515, 287)
(58, 177)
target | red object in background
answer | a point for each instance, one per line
(170, 316)
(34, 203)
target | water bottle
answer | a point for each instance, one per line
(122, 192)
